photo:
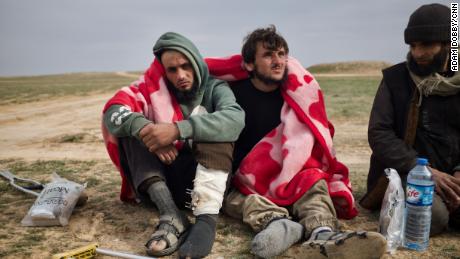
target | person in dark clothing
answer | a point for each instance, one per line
(260, 118)
(416, 113)
(314, 219)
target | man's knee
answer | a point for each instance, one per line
(439, 216)
(217, 156)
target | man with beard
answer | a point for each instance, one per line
(416, 113)
(149, 131)
(314, 218)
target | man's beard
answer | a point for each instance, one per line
(267, 80)
(183, 96)
(435, 66)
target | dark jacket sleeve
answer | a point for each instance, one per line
(386, 146)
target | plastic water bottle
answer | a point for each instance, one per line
(419, 197)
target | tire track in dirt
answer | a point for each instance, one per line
(32, 130)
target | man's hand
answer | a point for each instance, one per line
(156, 136)
(448, 187)
(167, 154)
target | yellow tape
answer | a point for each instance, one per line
(84, 252)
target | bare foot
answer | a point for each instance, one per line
(166, 238)
(158, 245)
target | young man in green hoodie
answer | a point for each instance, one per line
(156, 169)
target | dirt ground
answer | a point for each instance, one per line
(35, 132)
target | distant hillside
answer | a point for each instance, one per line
(353, 67)
(34, 88)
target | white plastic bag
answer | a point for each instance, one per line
(392, 212)
(55, 204)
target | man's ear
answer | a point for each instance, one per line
(248, 66)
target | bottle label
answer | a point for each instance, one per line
(419, 195)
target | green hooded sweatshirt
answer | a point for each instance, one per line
(224, 119)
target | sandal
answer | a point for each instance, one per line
(171, 230)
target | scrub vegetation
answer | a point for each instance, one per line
(52, 124)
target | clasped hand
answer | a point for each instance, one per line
(159, 138)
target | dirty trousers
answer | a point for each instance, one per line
(140, 165)
(314, 209)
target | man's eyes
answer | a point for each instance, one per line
(186, 66)
(270, 55)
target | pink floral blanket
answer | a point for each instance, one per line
(285, 163)
(297, 153)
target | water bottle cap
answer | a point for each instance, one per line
(422, 161)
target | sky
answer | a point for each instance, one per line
(64, 36)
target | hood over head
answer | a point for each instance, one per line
(175, 41)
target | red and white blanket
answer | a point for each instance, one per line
(285, 163)
(297, 153)
(150, 96)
